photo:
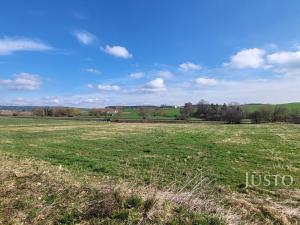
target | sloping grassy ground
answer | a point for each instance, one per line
(295, 106)
(37, 193)
(129, 113)
(167, 155)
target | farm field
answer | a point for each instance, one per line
(167, 157)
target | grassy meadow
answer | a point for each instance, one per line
(169, 157)
(291, 107)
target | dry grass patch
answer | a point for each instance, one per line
(5, 141)
(37, 193)
(269, 207)
(33, 192)
(235, 139)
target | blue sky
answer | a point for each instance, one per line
(95, 53)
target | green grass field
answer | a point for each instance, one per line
(129, 113)
(295, 106)
(162, 154)
(226, 152)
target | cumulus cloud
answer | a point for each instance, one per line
(165, 74)
(206, 81)
(155, 85)
(137, 75)
(108, 87)
(258, 90)
(117, 51)
(189, 66)
(84, 37)
(93, 71)
(285, 58)
(249, 58)
(285, 62)
(10, 45)
(91, 100)
(22, 81)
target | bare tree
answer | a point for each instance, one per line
(144, 112)
(187, 111)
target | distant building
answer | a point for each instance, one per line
(111, 112)
(105, 112)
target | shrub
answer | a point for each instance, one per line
(232, 114)
(263, 114)
(69, 112)
(294, 117)
(158, 112)
(39, 112)
(280, 114)
(16, 114)
(187, 111)
(266, 113)
(144, 112)
(57, 112)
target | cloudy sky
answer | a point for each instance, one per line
(96, 53)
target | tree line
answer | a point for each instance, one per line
(228, 113)
(234, 113)
(146, 113)
(56, 112)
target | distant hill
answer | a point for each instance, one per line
(18, 108)
(29, 108)
(255, 106)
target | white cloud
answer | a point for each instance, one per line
(206, 81)
(285, 58)
(84, 37)
(259, 90)
(107, 87)
(249, 58)
(155, 85)
(91, 100)
(189, 66)
(244, 91)
(22, 81)
(10, 45)
(93, 71)
(51, 100)
(117, 51)
(286, 62)
(165, 74)
(137, 75)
